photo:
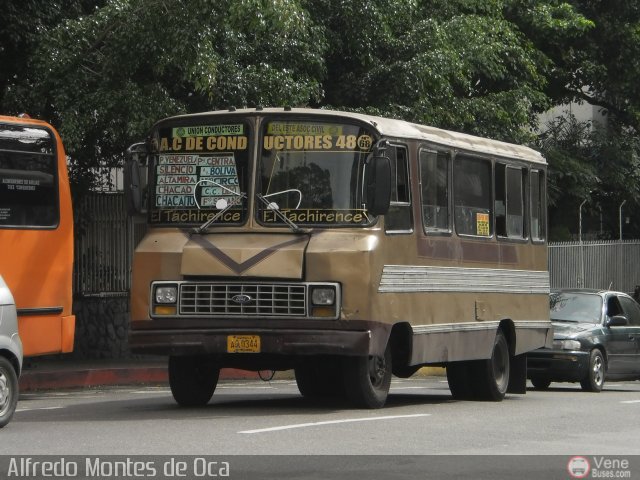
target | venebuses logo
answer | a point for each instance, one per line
(578, 467)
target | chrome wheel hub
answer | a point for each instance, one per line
(5, 393)
(598, 369)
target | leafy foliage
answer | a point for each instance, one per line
(598, 165)
(108, 76)
(104, 71)
(601, 67)
(456, 64)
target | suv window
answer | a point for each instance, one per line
(631, 310)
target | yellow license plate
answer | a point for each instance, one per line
(243, 344)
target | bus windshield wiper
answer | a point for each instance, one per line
(276, 209)
(222, 204)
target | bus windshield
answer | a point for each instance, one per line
(199, 170)
(28, 195)
(310, 171)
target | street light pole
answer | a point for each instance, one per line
(581, 279)
(620, 217)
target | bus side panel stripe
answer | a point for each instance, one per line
(416, 278)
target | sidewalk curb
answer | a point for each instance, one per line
(110, 376)
(66, 378)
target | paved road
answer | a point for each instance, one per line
(272, 418)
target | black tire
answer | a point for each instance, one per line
(367, 379)
(491, 377)
(540, 383)
(9, 391)
(193, 379)
(594, 381)
(320, 378)
(459, 378)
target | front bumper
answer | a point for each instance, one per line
(272, 342)
(558, 365)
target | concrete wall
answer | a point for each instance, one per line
(102, 327)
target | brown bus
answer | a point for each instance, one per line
(343, 246)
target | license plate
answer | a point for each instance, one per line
(243, 344)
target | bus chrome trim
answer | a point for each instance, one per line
(416, 278)
(454, 327)
(476, 326)
(249, 299)
(244, 300)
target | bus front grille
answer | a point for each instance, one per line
(228, 300)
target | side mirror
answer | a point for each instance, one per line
(617, 321)
(133, 185)
(378, 180)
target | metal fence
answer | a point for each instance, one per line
(105, 238)
(597, 264)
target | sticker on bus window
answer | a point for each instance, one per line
(284, 128)
(313, 137)
(482, 224)
(208, 130)
(317, 216)
(201, 143)
(196, 180)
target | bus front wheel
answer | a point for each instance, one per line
(367, 379)
(8, 391)
(192, 379)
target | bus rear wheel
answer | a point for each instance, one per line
(367, 379)
(193, 379)
(459, 378)
(492, 376)
(8, 391)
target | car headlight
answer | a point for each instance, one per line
(323, 296)
(566, 344)
(166, 294)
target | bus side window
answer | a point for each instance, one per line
(509, 204)
(473, 214)
(434, 181)
(399, 218)
(538, 218)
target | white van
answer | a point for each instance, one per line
(10, 355)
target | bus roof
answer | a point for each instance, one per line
(399, 129)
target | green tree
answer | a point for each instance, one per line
(104, 71)
(601, 66)
(589, 163)
(104, 78)
(20, 33)
(459, 64)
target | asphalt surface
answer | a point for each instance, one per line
(272, 418)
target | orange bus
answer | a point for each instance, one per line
(36, 233)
